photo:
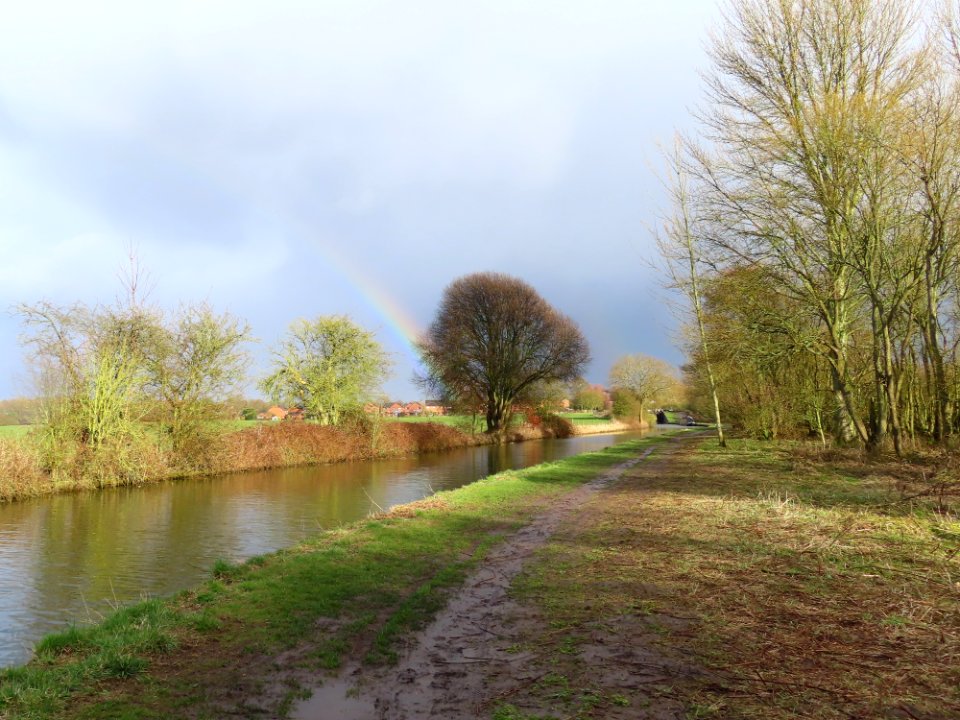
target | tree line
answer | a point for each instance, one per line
(105, 373)
(815, 225)
(120, 381)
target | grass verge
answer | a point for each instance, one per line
(238, 642)
(14, 432)
(749, 583)
(585, 418)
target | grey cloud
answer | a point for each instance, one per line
(236, 143)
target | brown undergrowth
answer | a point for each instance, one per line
(20, 473)
(149, 457)
(925, 479)
(800, 590)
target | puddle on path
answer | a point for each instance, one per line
(336, 699)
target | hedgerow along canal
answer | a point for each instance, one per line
(73, 558)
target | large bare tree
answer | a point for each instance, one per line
(493, 339)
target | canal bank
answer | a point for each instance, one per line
(32, 465)
(370, 582)
(73, 557)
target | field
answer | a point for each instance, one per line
(14, 431)
(458, 421)
(577, 418)
(584, 418)
(452, 420)
(233, 425)
(461, 422)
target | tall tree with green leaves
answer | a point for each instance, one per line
(328, 366)
(799, 176)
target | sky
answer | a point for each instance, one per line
(292, 159)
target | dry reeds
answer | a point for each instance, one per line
(20, 473)
(40, 465)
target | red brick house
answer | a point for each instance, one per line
(275, 413)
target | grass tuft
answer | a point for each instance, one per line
(224, 569)
(123, 666)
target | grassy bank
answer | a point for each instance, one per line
(12, 432)
(577, 419)
(31, 466)
(766, 582)
(584, 418)
(248, 632)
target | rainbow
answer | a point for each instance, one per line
(400, 322)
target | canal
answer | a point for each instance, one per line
(73, 558)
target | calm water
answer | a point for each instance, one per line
(71, 558)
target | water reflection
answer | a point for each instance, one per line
(71, 558)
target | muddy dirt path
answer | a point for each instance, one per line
(476, 653)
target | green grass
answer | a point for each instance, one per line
(12, 432)
(453, 420)
(234, 425)
(355, 590)
(461, 422)
(584, 418)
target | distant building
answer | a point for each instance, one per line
(295, 414)
(274, 413)
(434, 407)
(394, 409)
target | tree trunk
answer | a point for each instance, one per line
(497, 405)
(892, 386)
(849, 426)
(877, 430)
(931, 346)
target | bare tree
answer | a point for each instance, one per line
(644, 377)
(932, 154)
(493, 338)
(680, 249)
(802, 95)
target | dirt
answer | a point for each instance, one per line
(487, 651)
